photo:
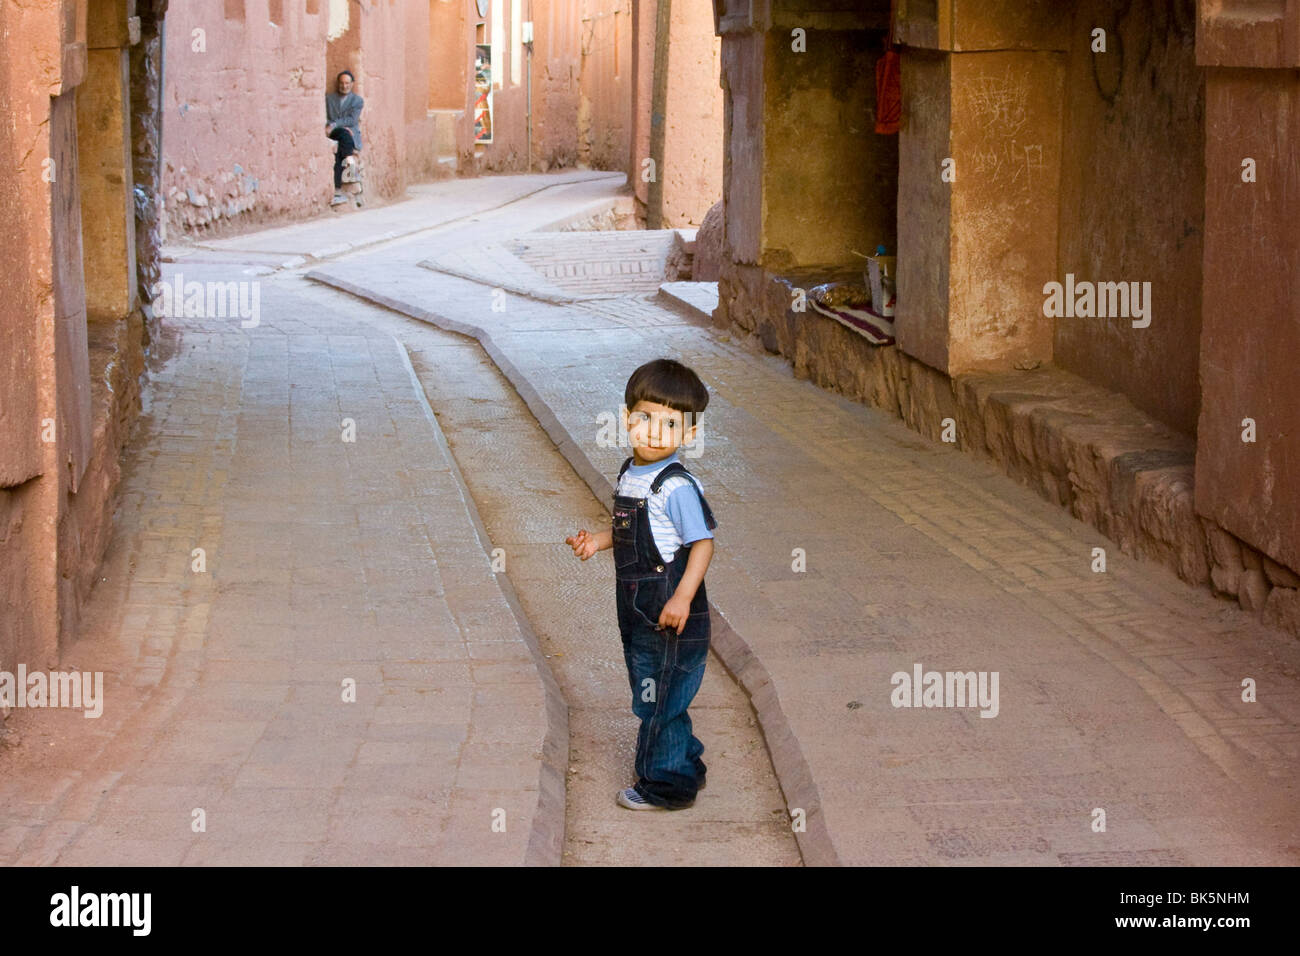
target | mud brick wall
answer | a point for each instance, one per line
(244, 108)
(1134, 127)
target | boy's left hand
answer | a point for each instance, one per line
(675, 613)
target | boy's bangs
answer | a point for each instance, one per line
(669, 383)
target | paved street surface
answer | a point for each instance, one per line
(1118, 692)
(331, 565)
(530, 499)
(849, 550)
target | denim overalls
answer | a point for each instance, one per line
(665, 669)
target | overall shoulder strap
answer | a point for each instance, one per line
(677, 468)
(626, 464)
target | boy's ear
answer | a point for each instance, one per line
(692, 423)
(624, 415)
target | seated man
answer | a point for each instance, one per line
(343, 111)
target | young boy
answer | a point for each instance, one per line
(663, 542)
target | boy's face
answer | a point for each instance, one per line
(656, 431)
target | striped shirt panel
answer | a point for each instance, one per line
(676, 498)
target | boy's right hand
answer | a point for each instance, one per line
(584, 544)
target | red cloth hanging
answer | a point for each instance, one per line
(889, 92)
(889, 81)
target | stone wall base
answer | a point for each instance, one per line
(618, 216)
(1084, 448)
(116, 372)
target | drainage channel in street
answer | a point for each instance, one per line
(530, 499)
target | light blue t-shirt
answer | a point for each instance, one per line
(676, 515)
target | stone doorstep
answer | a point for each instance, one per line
(588, 216)
(1080, 446)
(561, 267)
(694, 300)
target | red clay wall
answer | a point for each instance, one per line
(692, 170)
(605, 114)
(743, 66)
(557, 75)
(1132, 202)
(642, 91)
(693, 110)
(253, 98)
(28, 55)
(1250, 344)
(58, 451)
(979, 165)
(244, 140)
(925, 243)
(421, 157)
(381, 80)
(580, 106)
(447, 26)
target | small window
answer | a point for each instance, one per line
(276, 12)
(313, 8)
(234, 9)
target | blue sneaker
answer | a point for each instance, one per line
(628, 797)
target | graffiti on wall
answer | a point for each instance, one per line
(1157, 23)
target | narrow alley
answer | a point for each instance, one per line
(926, 369)
(483, 687)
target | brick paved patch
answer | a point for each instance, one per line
(597, 263)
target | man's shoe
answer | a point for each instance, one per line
(338, 200)
(628, 797)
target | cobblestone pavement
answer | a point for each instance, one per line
(230, 732)
(1118, 691)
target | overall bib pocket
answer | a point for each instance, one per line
(624, 528)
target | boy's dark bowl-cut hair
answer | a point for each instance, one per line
(667, 382)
